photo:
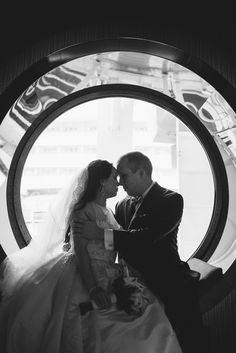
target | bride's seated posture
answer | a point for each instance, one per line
(65, 293)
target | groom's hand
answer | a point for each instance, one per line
(87, 229)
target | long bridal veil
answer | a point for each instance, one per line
(47, 245)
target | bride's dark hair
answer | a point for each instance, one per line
(98, 170)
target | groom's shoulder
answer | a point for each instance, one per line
(174, 198)
(167, 193)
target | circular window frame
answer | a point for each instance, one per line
(220, 209)
(129, 44)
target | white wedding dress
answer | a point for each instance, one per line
(43, 315)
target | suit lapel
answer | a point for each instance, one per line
(137, 211)
(133, 217)
(147, 202)
(129, 212)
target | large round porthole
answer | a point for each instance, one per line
(189, 133)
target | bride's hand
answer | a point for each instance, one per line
(100, 298)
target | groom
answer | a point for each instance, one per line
(150, 216)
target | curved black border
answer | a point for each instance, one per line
(140, 45)
(220, 209)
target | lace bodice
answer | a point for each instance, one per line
(102, 260)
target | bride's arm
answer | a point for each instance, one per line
(86, 226)
(89, 227)
(84, 263)
(96, 293)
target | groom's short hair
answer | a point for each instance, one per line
(136, 161)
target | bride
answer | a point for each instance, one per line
(65, 294)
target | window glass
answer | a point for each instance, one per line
(107, 128)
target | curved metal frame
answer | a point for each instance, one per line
(219, 215)
(147, 46)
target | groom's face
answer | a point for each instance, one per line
(129, 180)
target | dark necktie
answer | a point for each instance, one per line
(136, 201)
(134, 204)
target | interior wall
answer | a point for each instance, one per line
(221, 319)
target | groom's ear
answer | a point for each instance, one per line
(142, 172)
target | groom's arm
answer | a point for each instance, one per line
(87, 229)
(156, 226)
(83, 224)
(153, 226)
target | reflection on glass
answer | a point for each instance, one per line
(107, 128)
(115, 67)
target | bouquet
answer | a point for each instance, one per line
(132, 296)
(129, 293)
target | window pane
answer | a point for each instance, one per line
(107, 128)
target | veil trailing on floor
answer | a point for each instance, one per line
(47, 246)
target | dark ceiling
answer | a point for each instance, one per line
(24, 23)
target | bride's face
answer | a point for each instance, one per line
(110, 185)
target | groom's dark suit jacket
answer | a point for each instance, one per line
(149, 242)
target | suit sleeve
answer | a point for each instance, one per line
(155, 226)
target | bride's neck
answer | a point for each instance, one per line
(100, 200)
